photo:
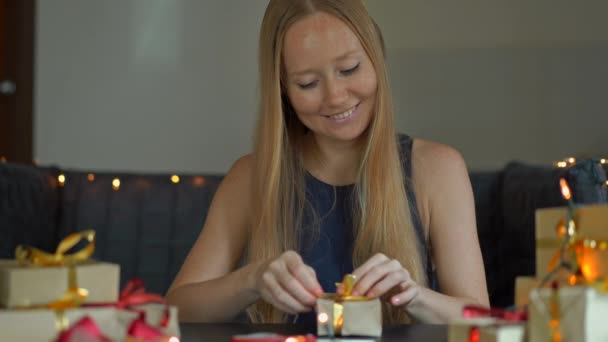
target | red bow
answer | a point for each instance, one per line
(134, 293)
(84, 330)
(472, 311)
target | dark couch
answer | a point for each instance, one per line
(149, 224)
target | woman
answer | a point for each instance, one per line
(331, 189)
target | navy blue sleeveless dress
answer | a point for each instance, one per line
(330, 253)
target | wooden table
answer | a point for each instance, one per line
(221, 332)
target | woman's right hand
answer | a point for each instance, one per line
(288, 284)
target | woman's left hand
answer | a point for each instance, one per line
(380, 276)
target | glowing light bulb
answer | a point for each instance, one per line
(323, 317)
(116, 184)
(175, 179)
(61, 179)
(91, 177)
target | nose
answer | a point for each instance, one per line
(336, 93)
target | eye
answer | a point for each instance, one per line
(350, 71)
(308, 85)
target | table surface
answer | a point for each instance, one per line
(224, 331)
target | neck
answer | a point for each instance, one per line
(333, 162)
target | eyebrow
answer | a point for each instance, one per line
(339, 58)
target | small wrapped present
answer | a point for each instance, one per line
(37, 278)
(589, 224)
(45, 325)
(151, 307)
(488, 325)
(347, 315)
(572, 313)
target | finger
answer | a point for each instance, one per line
(369, 264)
(304, 274)
(374, 275)
(284, 298)
(268, 297)
(390, 281)
(293, 286)
(407, 296)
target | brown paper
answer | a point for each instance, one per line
(592, 224)
(31, 286)
(156, 312)
(360, 318)
(39, 325)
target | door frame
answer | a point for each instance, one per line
(19, 48)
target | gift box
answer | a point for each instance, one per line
(357, 316)
(160, 316)
(347, 315)
(591, 225)
(45, 325)
(26, 286)
(577, 313)
(488, 325)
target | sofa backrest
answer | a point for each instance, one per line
(149, 223)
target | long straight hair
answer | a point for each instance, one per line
(381, 215)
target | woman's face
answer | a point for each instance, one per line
(329, 78)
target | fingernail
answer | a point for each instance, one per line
(355, 293)
(395, 300)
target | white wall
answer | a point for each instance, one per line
(146, 85)
(168, 85)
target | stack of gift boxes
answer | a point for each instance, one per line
(66, 296)
(567, 299)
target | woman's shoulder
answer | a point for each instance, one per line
(239, 175)
(436, 163)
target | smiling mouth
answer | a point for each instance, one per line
(344, 115)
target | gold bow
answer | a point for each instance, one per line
(28, 255)
(73, 296)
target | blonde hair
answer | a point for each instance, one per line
(381, 215)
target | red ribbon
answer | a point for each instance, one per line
(141, 330)
(472, 311)
(84, 330)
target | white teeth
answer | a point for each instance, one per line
(343, 115)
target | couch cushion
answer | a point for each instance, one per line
(147, 226)
(29, 201)
(488, 209)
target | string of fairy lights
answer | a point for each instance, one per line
(572, 161)
(116, 182)
(175, 179)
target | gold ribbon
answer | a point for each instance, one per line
(74, 296)
(348, 283)
(28, 255)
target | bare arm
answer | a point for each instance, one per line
(449, 208)
(206, 289)
(447, 212)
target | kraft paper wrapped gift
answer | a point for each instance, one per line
(347, 315)
(42, 325)
(485, 329)
(354, 316)
(592, 223)
(155, 315)
(39, 285)
(582, 313)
